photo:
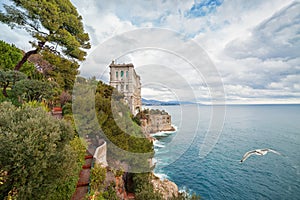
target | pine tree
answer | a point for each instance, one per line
(54, 24)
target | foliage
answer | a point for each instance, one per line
(30, 90)
(67, 109)
(115, 115)
(115, 120)
(144, 114)
(119, 172)
(9, 78)
(136, 120)
(186, 196)
(84, 110)
(51, 23)
(79, 146)
(143, 188)
(2, 176)
(45, 65)
(10, 56)
(98, 175)
(36, 104)
(98, 115)
(61, 70)
(40, 160)
(64, 98)
(110, 193)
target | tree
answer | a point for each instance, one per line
(39, 157)
(64, 98)
(10, 56)
(8, 78)
(31, 90)
(62, 71)
(55, 24)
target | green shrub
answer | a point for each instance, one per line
(97, 177)
(39, 155)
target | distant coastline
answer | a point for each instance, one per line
(151, 102)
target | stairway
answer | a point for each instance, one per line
(84, 179)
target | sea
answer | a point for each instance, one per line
(220, 174)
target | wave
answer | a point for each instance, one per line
(161, 176)
(164, 133)
(186, 191)
(154, 161)
(158, 143)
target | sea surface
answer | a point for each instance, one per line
(220, 175)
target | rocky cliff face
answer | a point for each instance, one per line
(166, 187)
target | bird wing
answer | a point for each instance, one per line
(262, 151)
(273, 151)
(247, 154)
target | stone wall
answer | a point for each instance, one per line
(157, 122)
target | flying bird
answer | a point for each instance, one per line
(259, 152)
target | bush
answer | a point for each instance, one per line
(98, 175)
(39, 157)
(143, 188)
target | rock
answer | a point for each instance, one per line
(166, 187)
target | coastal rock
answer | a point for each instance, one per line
(166, 187)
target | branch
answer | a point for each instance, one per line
(28, 54)
(35, 28)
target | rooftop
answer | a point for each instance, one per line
(113, 64)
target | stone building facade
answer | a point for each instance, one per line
(155, 121)
(124, 78)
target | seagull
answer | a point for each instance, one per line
(259, 152)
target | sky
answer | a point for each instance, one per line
(231, 51)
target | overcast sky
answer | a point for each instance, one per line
(251, 47)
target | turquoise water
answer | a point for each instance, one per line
(220, 175)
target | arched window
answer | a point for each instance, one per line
(122, 73)
(126, 73)
(117, 74)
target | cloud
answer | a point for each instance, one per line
(264, 62)
(276, 37)
(234, 34)
(254, 45)
(161, 57)
(15, 36)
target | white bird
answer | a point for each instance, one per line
(259, 152)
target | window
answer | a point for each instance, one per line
(122, 73)
(122, 87)
(117, 74)
(126, 73)
(126, 87)
(117, 87)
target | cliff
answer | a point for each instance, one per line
(167, 188)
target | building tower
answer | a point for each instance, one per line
(124, 78)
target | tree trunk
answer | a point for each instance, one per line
(24, 59)
(4, 89)
(28, 54)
